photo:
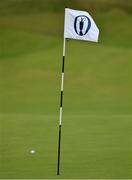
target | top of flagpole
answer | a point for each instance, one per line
(80, 25)
(64, 47)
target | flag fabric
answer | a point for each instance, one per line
(80, 25)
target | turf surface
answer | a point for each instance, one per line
(97, 118)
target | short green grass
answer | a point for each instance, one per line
(97, 118)
(93, 146)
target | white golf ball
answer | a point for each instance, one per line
(32, 151)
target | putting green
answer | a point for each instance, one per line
(97, 119)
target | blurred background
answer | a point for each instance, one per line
(97, 117)
(41, 6)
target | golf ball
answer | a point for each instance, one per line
(32, 151)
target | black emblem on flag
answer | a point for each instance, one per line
(82, 24)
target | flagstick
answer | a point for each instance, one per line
(61, 105)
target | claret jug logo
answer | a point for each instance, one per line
(82, 25)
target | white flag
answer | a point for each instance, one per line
(80, 25)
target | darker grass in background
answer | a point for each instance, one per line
(33, 6)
